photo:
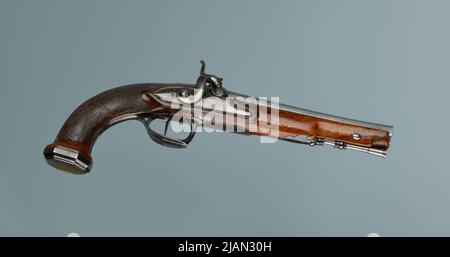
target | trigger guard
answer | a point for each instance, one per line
(167, 141)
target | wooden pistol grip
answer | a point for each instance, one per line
(71, 150)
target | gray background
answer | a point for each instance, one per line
(381, 61)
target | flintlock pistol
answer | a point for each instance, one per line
(219, 108)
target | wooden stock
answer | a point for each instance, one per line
(71, 150)
(292, 124)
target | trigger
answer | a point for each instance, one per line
(167, 125)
